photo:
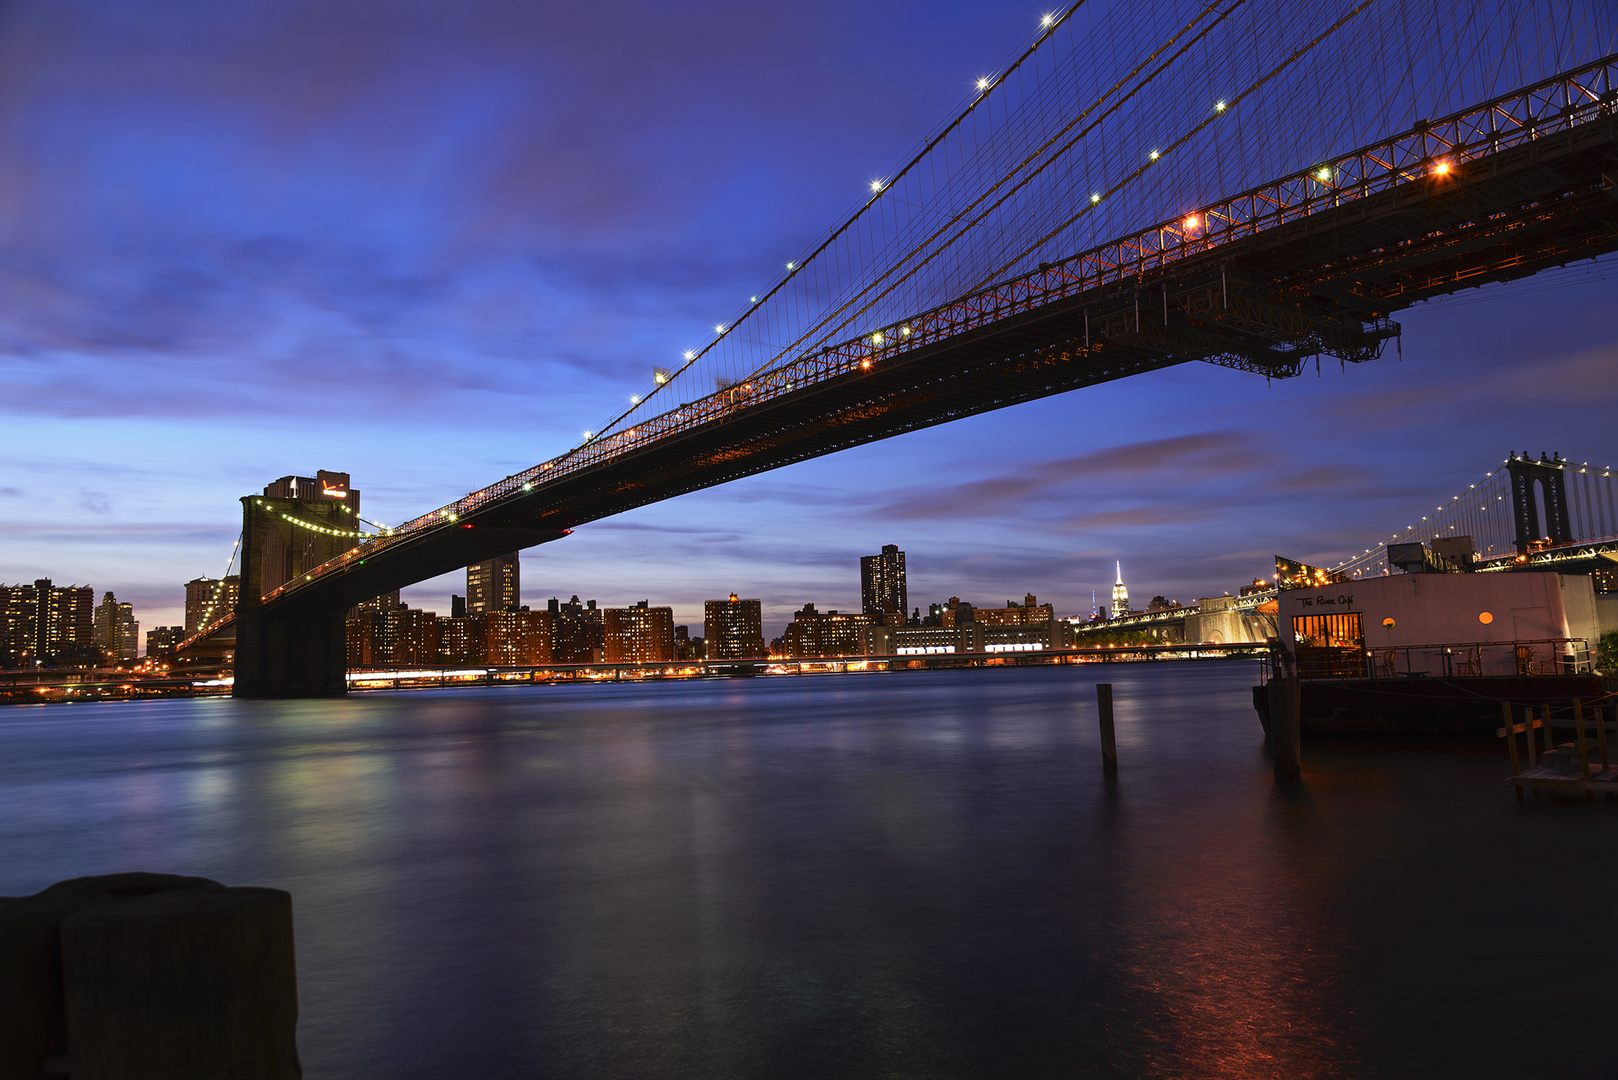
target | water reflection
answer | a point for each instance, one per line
(885, 876)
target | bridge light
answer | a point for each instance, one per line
(1095, 197)
(1441, 168)
(1047, 20)
(792, 266)
(904, 331)
(689, 355)
(634, 399)
(719, 328)
(983, 84)
(865, 363)
(876, 338)
(1219, 106)
(876, 185)
(1192, 222)
(1324, 173)
(1154, 155)
(586, 434)
(752, 299)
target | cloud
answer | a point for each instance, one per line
(1183, 459)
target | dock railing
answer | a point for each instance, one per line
(1536, 658)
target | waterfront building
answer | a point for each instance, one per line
(455, 640)
(1446, 624)
(826, 633)
(1120, 595)
(883, 593)
(116, 632)
(512, 638)
(963, 637)
(163, 640)
(1015, 614)
(494, 584)
(733, 628)
(638, 634)
(386, 633)
(409, 637)
(362, 634)
(47, 624)
(579, 634)
(1027, 636)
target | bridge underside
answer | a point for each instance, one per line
(1322, 284)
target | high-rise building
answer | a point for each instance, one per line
(733, 628)
(1120, 595)
(208, 599)
(117, 634)
(163, 640)
(493, 585)
(363, 633)
(579, 633)
(825, 633)
(882, 584)
(511, 638)
(638, 634)
(455, 641)
(47, 624)
(409, 637)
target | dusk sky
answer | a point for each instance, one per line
(428, 243)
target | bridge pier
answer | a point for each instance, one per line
(290, 656)
(292, 639)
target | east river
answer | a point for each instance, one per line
(897, 875)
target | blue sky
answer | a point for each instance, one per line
(428, 243)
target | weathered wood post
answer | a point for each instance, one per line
(148, 977)
(1285, 730)
(1109, 742)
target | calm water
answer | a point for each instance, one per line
(906, 875)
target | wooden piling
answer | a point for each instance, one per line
(1511, 741)
(191, 985)
(1285, 730)
(1583, 746)
(1109, 742)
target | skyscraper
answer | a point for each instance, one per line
(117, 633)
(493, 585)
(1120, 595)
(734, 628)
(882, 584)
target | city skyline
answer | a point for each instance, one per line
(414, 255)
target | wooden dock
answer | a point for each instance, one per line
(1581, 766)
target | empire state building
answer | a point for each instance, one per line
(1120, 595)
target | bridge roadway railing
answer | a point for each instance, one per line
(1432, 151)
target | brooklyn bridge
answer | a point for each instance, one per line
(1245, 184)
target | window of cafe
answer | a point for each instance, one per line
(1340, 631)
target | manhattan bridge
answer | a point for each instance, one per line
(1246, 183)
